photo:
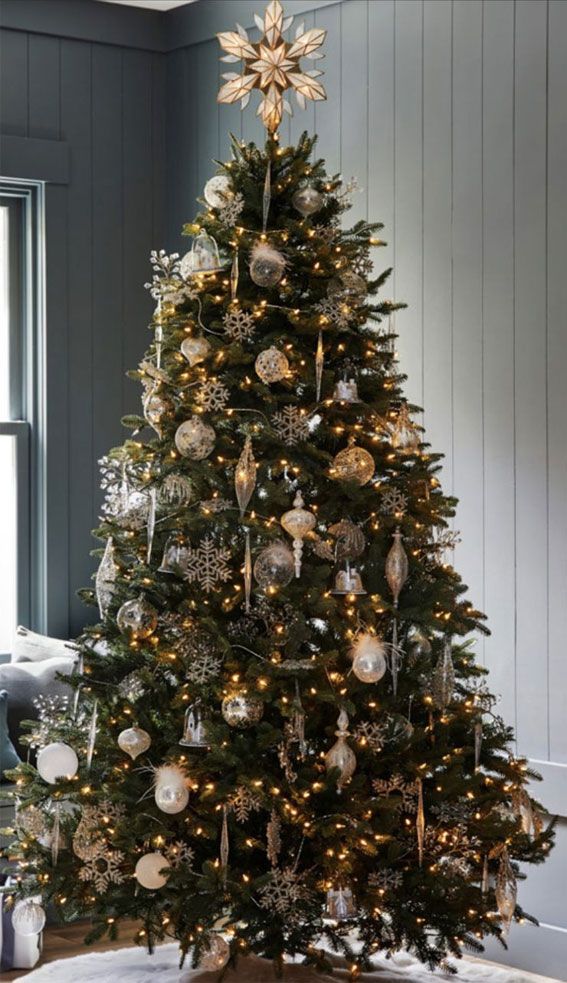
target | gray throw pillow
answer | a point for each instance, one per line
(25, 681)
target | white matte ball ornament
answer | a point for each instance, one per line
(216, 955)
(217, 191)
(368, 658)
(57, 761)
(148, 871)
(195, 439)
(134, 741)
(28, 917)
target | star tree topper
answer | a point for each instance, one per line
(272, 65)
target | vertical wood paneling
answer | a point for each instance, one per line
(44, 87)
(381, 153)
(159, 133)
(328, 117)
(498, 344)
(468, 452)
(407, 256)
(530, 380)
(76, 127)
(14, 83)
(437, 245)
(557, 373)
(207, 110)
(354, 94)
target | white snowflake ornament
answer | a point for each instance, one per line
(206, 564)
(291, 425)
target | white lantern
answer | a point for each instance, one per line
(28, 917)
(148, 870)
(57, 761)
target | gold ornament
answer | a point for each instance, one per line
(271, 65)
(396, 566)
(134, 741)
(245, 476)
(353, 464)
(298, 522)
(195, 350)
(341, 756)
(271, 365)
(241, 710)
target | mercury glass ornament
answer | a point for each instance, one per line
(298, 522)
(175, 489)
(340, 904)
(267, 265)
(443, 682)
(271, 366)
(341, 756)
(57, 761)
(245, 476)
(368, 654)
(28, 917)
(106, 578)
(348, 284)
(134, 741)
(194, 735)
(506, 890)
(195, 350)
(353, 464)
(241, 710)
(396, 566)
(307, 201)
(217, 191)
(346, 392)
(274, 566)
(403, 436)
(138, 618)
(148, 870)
(348, 581)
(155, 409)
(195, 439)
(216, 954)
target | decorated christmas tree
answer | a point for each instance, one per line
(280, 739)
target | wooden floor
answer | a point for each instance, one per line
(64, 941)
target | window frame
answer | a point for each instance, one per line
(26, 416)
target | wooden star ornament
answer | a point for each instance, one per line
(272, 65)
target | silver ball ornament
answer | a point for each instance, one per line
(274, 566)
(307, 201)
(418, 645)
(241, 710)
(138, 618)
(195, 439)
(216, 955)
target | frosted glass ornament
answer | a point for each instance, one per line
(137, 617)
(57, 761)
(298, 522)
(217, 191)
(148, 871)
(171, 790)
(134, 741)
(28, 917)
(267, 265)
(307, 201)
(155, 409)
(216, 955)
(241, 710)
(274, 566)
(245, 476)
(341, 756)
(195, 439)
(368, 658)
(195, 350)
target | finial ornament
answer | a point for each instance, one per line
(272, 65)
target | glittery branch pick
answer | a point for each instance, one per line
(273, 838)
(247, 572)
(319, 362)
(234, 276)
(224, 845)
(420, 821)
(151, 523)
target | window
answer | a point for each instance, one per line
(21, 272)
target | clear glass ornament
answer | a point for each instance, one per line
(195, 439)
(443, 681)
(274, 566)
(245, 476)
(28, 917)
(195, 350)
(267, 265)
(353, 464)
(194, 734)
(341, 756)
(307, 200)
(148, 870)
(271, 366)
(175, 489)
(241, 710)
(340, 904)
(134, 741)
(247, 572)
(298, 522)
(216, 954)
(418, 646)
(349, 538)
(218, 191)
(171, 791)
(397, 566)
(368, 654)
(138, 618)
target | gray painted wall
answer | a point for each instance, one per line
(453, 115)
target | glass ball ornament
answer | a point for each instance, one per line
(134, 741)
(171, 799)
(348, 284)
(307, 200)
(138, 618)
(217, 191)
(195, 350)
(57, 761)
(353, 464)
(274, 566)
(195, 439)
(241, 710)
(148, 870)
(368, 658)
(216, 955)
(28, 917)
(397, 730)
(418, 645)
(267, 265)
(271, 366)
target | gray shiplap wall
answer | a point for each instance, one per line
(453, 115)
(106, 101)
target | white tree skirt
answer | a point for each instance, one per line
(133, 965)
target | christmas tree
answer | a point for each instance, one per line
(280, 738)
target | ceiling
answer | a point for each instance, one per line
(152, 4)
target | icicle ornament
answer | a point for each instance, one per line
(319, 364)
(151, 524)
(506, 891)
(245, 476)
(234, 273)
(397, 566)
(266, 196)
(247, 572)
(420, 821)
(92, 735)
(443, 682)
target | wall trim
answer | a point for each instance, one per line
(34, 159)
